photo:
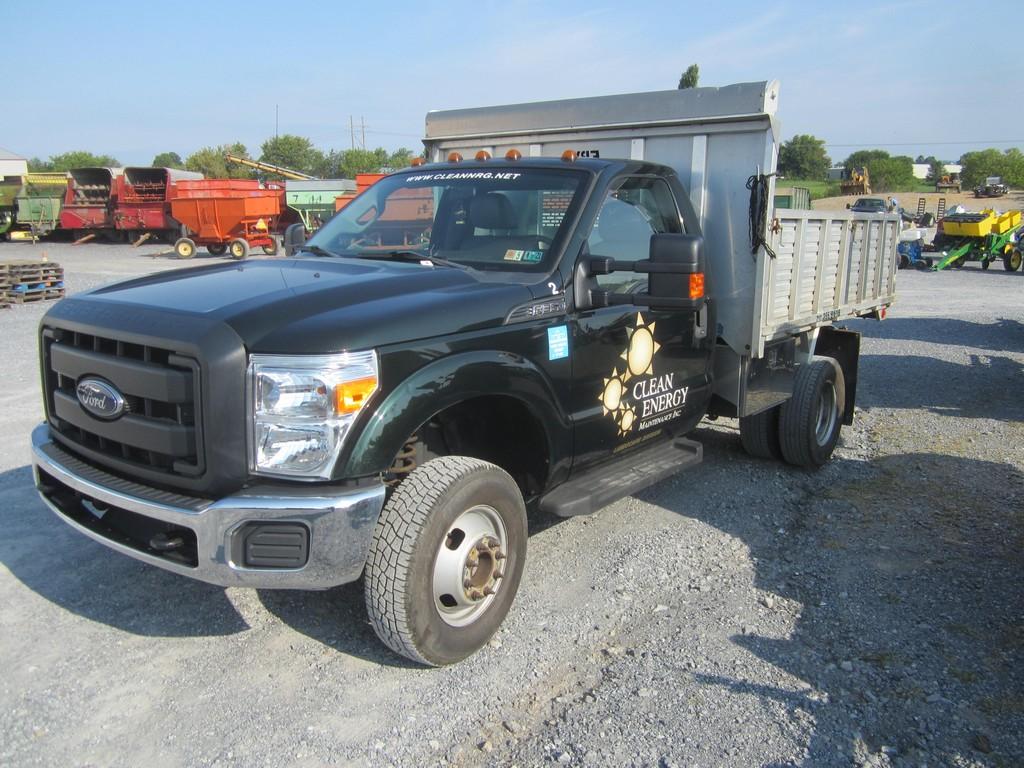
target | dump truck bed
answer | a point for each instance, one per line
(826, 266)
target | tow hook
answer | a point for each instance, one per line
(166, 541)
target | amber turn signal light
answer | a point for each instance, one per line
(350, 396)
(697, 285)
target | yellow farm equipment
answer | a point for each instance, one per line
(859, 183)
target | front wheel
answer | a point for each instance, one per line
(238, 249)
(185, 248)
(1012, 260)
(811, 419)
(446, 559)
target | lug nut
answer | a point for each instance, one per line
(476, 594)
(499, 556)
(488, 590)
(498, 575)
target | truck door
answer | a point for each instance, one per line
(637, 372)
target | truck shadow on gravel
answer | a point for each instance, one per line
(87, 579)
(906, 574)
(977, 389)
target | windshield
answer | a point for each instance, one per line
(510, 220)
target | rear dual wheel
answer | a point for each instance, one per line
(446, 559)
(805, 429)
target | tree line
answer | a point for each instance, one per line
(804, 157)
(296, 153)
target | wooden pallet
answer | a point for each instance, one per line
(23, 282)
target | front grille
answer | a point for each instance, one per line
(161, 428)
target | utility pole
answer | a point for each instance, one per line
(362, 120)
(352, 130)
(277, 119)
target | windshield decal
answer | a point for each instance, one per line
(465, 175)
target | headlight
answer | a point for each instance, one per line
(301, 409)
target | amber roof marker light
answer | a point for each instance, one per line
(417, 162)
(513, 155)
(483, 155)
(569, 156)
(454, 157)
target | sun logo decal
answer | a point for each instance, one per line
(638, 361)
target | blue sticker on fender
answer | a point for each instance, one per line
(558, 342)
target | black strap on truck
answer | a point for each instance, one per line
(759, 203)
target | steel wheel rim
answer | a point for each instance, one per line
(1015, 259)
(469, 565)
(828, 413)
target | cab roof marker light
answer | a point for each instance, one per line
(569, 156)
(454, 157)
(417, 162)
(513, 155)
(483, 155)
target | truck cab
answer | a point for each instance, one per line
(467, 341)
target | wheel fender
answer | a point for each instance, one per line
(442, 384)
(843, 346)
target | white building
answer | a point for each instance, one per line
(11, 164)
(921, 169)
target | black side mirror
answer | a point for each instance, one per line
(682, 256)
(294, 238)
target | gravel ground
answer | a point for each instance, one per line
(742, 613)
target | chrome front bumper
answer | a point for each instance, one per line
(340, 523)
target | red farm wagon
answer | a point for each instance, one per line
(143, 201)
(230, 215)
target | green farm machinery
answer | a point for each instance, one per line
(983, 237)
(9, 188)
(313, 199)
(39, 204)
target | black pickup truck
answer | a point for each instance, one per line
(465, 342)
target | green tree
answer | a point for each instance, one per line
(804, 157)
(863, 158)
(296, 153)
(991, 162)
(936, 170)
(38, 165)
(690, 77)
(74, 159)
(168, 160)
(892, 174)
(210, 162)
(346, 163)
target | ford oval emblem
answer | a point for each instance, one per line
(100, 398)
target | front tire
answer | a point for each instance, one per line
(810, 421)
(185, 248)
(1012, 260)
(239, 249)
(446, 559)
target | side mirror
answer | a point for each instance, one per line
(682, 257)
(294, 238)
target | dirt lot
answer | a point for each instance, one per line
(908, 200)
(743, 613)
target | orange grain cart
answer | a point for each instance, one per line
(230, 215)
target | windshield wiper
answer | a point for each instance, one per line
(411, 255)
(318, 251)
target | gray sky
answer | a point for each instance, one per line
(134, 79)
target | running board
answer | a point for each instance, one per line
(600, 486)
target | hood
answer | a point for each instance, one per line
(317, 306)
